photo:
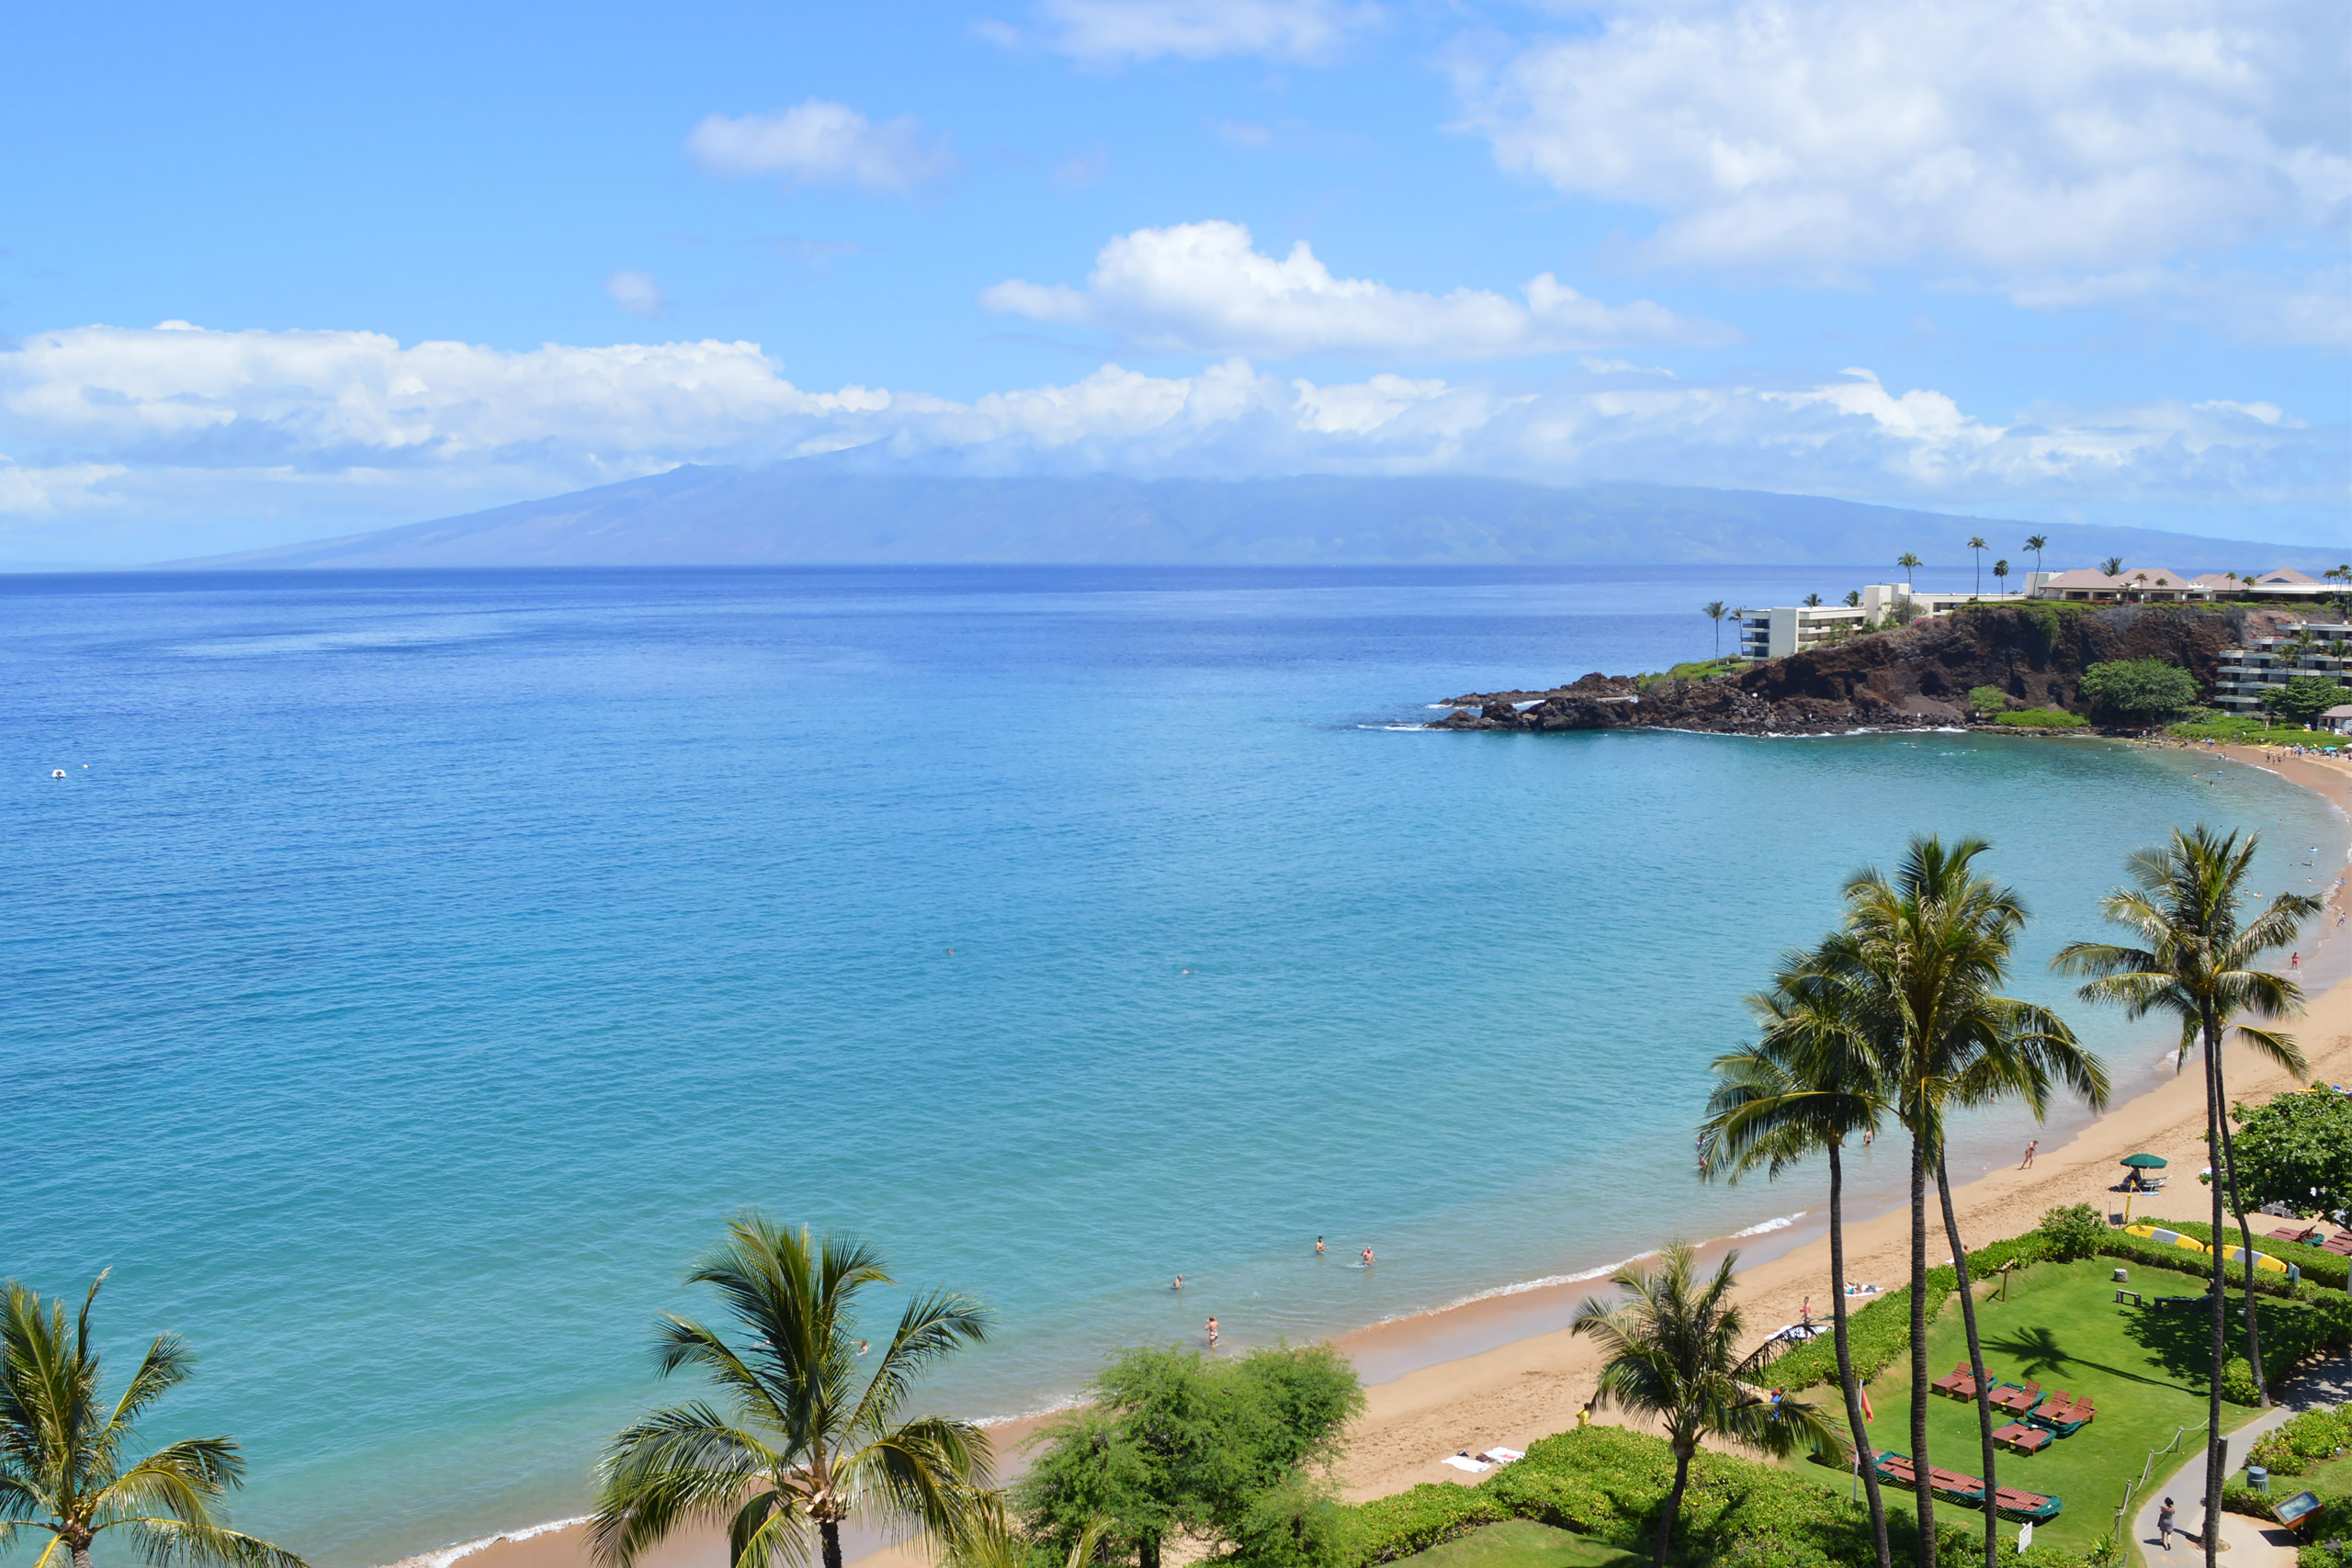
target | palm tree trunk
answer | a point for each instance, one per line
(830, 1532)
(1673, 1504)
(1922, 1498)
(81, 1556)
(1865, 1456)
(2227, 1168)
(1975, 1362)
(2215, 1447)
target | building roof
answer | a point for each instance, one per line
(2341, 710)
(2284, 578)
(2131, 581)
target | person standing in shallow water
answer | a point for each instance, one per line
(1318, 1247)
(1211, 1334)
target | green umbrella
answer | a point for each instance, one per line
(2144, 1161)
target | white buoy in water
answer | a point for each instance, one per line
(57, 773)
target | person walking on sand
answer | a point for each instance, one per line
(1212, 1333)
(2031, 1145)
(2164, 1524)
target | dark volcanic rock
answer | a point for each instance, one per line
(1916, 678)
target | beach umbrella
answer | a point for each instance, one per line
(2144, 1161)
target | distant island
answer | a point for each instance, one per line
(831, 511)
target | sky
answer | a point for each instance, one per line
(271, 273)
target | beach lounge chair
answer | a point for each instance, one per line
(1896, 1470)
(1953, 1484)
(2340, 1244)
(2018, 1504)
(1961, 1384)
(2060, 1417)
(2015, 1398)
(2024, 1440)
(2300, 1237)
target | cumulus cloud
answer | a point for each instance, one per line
(1205, 287)
(2018, 138)
(1104, 32)
(328, 432)
(634, 292)
(823, 143)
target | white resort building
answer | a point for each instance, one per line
(1791, 629)
(2265, 663)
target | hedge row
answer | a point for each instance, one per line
(1607, 1484)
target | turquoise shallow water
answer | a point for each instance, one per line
(423, 966)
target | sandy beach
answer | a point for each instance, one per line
(1533, 1385)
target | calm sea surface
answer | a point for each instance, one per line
(413, 971)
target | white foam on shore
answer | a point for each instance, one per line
(448, 1554)
(1780, 1223)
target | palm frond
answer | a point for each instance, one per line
(165, 1542)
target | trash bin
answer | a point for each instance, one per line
(2258, 1478)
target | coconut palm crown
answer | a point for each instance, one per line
(802, 1444)
(63, 1468)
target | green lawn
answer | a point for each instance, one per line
(2060, 1328)
(1523, 1543)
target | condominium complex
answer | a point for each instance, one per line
(2151, 585)
(2265, 663)
(1791, 629)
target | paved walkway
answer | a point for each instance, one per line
(2250, 1542)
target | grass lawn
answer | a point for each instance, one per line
(1521, 1543)
(2060, 1328)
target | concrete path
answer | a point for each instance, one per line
(2249, 1542)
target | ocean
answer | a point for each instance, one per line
(413, 971)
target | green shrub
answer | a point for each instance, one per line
(2303, 1441)
(2072, 1232)
(1988, 699)
(2305, 697)
(2237, 1376)
(2138, 690)
(1406, 1522)
(2041, 719)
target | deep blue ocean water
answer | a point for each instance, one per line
(414, 970)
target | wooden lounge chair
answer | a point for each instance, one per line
(2060, 1416)
(1960, 1384)
(2340, 1244)
(2024, 1440)
(1951, 1483)
(1898, 1469)
(2300, 1237)
(2015, 1398)
(2020, 1505)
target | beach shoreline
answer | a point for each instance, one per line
(1502, 1367)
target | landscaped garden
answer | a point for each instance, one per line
(1523, 1543)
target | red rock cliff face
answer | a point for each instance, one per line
(1913, 678)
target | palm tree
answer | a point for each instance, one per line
(1812, 600)
(2112, 566)
(1976, 543)
(1853, 598)
(1809, 1084)
(2001, 575)
(1907, 561)
(2195, 962)
(801, 1446)
(61, 1466)
(1672, 1348)
(1928, 951)
(1715, 610)
(2037, 543)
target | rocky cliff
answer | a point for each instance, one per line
(1917, 677)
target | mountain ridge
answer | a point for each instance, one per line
(818, 512)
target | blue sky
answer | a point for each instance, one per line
(2054, 261)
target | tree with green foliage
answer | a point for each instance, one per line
(2077, 1230)
(2305, 697)
(1928, 951)
(2139, 690)
(1813, 601)
(1715, 610)
(2295, 1150)
(2112, 566)
(2196, 960)
(1171, 1443)
(1854, 599)
(1672, 1346)
(1988, 699)
(62, 1460)
(803, 1444)
(1810, 1083)
(1908, 562)
(2037, 543)
(1977, 547)
(2001, 576)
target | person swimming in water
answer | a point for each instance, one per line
(1367, 1257)
(1318, 1247)
(1178, 1284)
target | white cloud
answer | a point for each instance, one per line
(1204, 288)
(2018, 138)
(634, 292)
(823, 143)
(316, 433)
(1105, 32)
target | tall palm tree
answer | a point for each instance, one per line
(2037, 543)
(61, 1467)
(2001, 576)
(1672, 1346)
(1715, 610)
(1929, 949)
(1976, 543)
(1907, 561)
(1808, 1085)
(2196, 960)
(802, 1446)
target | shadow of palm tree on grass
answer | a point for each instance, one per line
(2038, 1351)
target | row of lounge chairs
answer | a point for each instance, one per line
(2060, 1415)
(2311, 1235)
(2011, 1502)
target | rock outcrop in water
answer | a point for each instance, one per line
(1917, 677)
